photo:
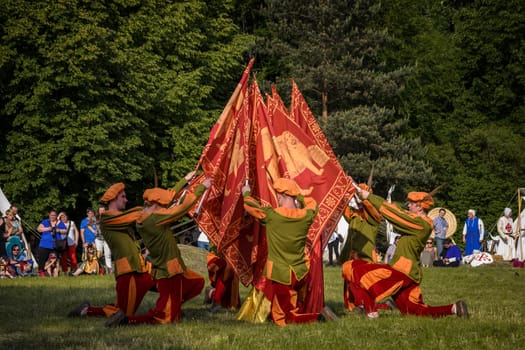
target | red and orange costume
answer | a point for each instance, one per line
(175, 282)
(375, 282)
(132, 279)
(287, 265)
(224, 281)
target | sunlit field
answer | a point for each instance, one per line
(33, 316)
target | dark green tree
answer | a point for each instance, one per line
(334, 53)
(466, 96)
(96, 92)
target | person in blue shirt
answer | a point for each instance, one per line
(49, 228)
(440, 230)
(451, 256)
(88, 228)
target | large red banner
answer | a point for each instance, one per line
(258, 142)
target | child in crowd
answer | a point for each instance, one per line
(5, 269)
(89, 263)
(51, 265)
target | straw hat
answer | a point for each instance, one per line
(449, 216)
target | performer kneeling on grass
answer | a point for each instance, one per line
(175, 283)
(224, 283)
(286, 266)
(132, 277)
(401, 279)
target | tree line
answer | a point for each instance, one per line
(428, 93)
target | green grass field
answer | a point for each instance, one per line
(33, 316)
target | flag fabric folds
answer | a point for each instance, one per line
(256, 142)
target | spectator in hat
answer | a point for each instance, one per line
(507, 243)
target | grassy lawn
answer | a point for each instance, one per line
(33, 316)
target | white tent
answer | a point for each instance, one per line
(4, 206)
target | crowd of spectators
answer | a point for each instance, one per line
(56, 246)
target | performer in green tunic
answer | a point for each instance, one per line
(287, 265)
(175, 282)
(132, 279)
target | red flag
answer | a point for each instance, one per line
(257, 142)
(306, 157)
(224, 159)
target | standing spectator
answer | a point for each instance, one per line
(13, 227)
(473, 232)
(287, 266)
(451, 255)
(507, 244)
(48, 228)
(3, 235)
(72, 243)
(440, 230)
(88, 228)
(175, 282)
(333, 249)
(429, 254)
(391, 250)
(101, 244)
(132, 278)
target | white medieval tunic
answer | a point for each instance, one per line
(520, 246)
(507, 244)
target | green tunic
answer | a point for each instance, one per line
(286, 232)
(118, 231)
(155, 230)
(362, 233)
(414, 232)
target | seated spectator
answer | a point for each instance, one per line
(451, 256)
(5, 268)
(89, 264)
(51, 266)
(17, 260)
(15, 249)
(429, 254)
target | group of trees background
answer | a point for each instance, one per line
(428, 92)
